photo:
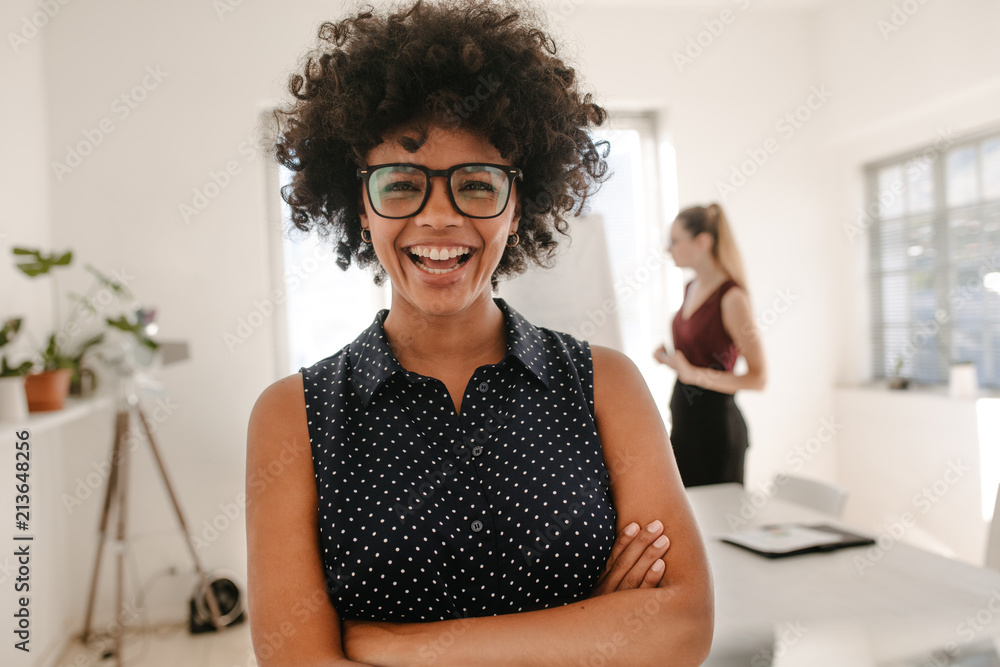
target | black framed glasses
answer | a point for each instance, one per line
(476, 189)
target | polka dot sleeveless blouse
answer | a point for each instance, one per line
(426, 514)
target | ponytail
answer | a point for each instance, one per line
(712, 220)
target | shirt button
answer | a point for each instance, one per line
(483, 387)
(477, 450)
(477, 526)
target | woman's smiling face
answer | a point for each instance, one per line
(411, 249)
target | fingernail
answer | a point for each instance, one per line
(660, 542)
(631, 529)
(655, 526)
(657, 566)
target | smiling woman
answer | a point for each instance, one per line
(463, 487)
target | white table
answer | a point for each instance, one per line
(905, 602)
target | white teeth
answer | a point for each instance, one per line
(437, 253)
(438, 271)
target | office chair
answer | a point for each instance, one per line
(993, 538)
(821, 496)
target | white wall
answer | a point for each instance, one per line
(938, 71)
(727, 102)
(119, 209)
(24, 184)
(25, 220)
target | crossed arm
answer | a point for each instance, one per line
(639, 613)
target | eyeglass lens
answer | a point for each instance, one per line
(479, 191)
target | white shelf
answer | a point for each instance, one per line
(74, 409)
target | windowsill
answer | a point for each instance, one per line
(917, 389)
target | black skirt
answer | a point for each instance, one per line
(709, 436)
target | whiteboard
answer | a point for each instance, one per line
(577, 295)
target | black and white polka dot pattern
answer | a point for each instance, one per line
(425, 514)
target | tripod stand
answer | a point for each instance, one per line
(117, 495)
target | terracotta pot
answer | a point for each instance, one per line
(47, 390)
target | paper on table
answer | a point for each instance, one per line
(783, 538)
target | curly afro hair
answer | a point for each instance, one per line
(475, 65)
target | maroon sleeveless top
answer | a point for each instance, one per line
(702, 338)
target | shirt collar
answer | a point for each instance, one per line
(373, 361)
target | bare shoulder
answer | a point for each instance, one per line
(736, 298)
(278, 433)
(281, 407)
(282, 394)
(614, 372)
(622, 405)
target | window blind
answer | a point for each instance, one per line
(934, 263)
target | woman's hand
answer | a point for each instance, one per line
(636, 560)
(685, 369)
(661, 354)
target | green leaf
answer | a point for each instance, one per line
(135, 329)
(14, 371)
(9, 330)
(41, 264)
(33, 269)
(112, 284)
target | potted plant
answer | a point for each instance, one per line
(898, 381)
(13, 404)
(63, 362)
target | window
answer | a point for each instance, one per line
(325, 307)
(615, 256)
(935, 260)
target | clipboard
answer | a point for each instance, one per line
(792, 539)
